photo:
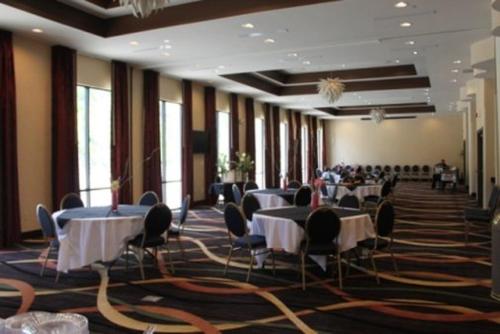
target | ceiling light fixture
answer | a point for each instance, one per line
(331, 89)
(415, 52)
(377, 115)
(455, 70)
(306, 62)
(166, 54)
(37, 30)
(247, 26)
(144, 8)
(410, 42)
(269, 41)
(397, 61)
(405, 24)
(134, 43)
(401, 4)
(293, 54)
(453, 81)
(458, 61)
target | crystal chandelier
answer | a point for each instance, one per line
(144, 8)
(331, 89)
(377, 115)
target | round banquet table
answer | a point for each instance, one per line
(274, 198)
(361, 191)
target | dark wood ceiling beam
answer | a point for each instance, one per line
(390, 118)
(384, 106)
(360, 86)
(275, 76)
(255, 82)
(106, 4)
(391, 111)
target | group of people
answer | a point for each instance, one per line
(354, 175)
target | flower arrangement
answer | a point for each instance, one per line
(244, 163)
(222, 165)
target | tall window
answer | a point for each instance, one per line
(283, 149)
(94, 145)
(223, 134)
(171, 153)
(321, 163)
(305, 153)
(259, 153)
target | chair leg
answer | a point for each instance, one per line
(374, 268)
(228, 260)
(339, 269)
(348, 261)
(303, 270)
(172, 269)
(394, 263)
(42, 271)
(250, 267)
(141, 257)
(274, 265)
(181, 247)
(57, 276)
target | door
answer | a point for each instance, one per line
(480, 136)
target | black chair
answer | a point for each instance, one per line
(349, 201)
(378, 168)
(395, 180)
(368, 169)
(294, 184)
(384, 225)
(319, 173)
(49, 233)
(321, 232)
(415, 172)
(237, 226)
(426, 172)
(71, 201)
(176, 230)
(397, 169)
(406, 172)
(149, 198)
(250, 204)
(480, 214)
(236, 194)
(250, 185)
(302, 196)
(381, 176)
(384, 193)
(387, 169)
(156, 222)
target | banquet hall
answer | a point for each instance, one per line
(249, 166)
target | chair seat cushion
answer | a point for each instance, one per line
(174, 232)
(255, 241)
(149, 242)
(372, 198)
(370, 243)
(320, 248)
(477, 214)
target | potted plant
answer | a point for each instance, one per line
(222, 165)
(243, 164)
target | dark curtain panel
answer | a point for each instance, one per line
(276, 146)
(152, 152)
(250, 131)
(10, 223)
(235, 128)
(298, 147)
(314, 146)
(291, 145)
(187, 138)
(211, 128)
(323, 125)
(120, 145)
(268, 153)
(65, 178)
(309, 148)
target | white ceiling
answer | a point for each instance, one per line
(337, 35)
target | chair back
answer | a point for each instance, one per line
(415, 168)
(397, 168)
(395, 180)
(149, 198)
(386, 189)
(406, 168)
(235, 220)
(236, 194)
(426, 169)
(319, 173)
(157, 220)
(250, 185)
(324, 190)
(250, 204)
(302, 196)
(387, 168)
(493, 200)
(349, 201)
(381, 175)
(368, 168)
(378, 167)
(70, 201)
(185, 209)
(322, 226)
(384, 219)
(46, 222)
(294, 184)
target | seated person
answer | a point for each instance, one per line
(359, 179)
(438, 169)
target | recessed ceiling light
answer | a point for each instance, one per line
(166, 41)
(269, 41)
(344, 65)
(293, 54)
(134, 43)
(166, 46)
(248, 26)
(397, 61)
(405, 24)
(410, 42)
(401, 4)
(455, 70)
(166, 54)
(453, 81)
(37, 30)
(415, 52)
(220, 67)
(458, 61)
(306, 62)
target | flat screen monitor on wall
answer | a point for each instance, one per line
(200, 142)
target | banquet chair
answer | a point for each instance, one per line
(395, 180)
(176, 230)
(302, 196)
(250, 185)
(237, 226)
(384, 225)
(368, 169)
(406, 172)
(378, 168)
(294, 184)
(349, 201)
(236, 194)
(480, 214)
(426, 172)
(321, 232)
(149, 198)
(397, 169)
(387, 169)
(250, 204)
(384, 193)
(156, 222)
(71, 201)
(48, 226)
(415, 172)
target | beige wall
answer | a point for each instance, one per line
(421, 141)
(93, 72)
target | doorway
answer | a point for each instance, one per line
(480, 172)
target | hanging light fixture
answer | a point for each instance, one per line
(377, 115)
(331, 89)
(144, 8)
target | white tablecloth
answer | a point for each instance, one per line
(360, 191)
(88, 240)
(285, 234)
(270, 200)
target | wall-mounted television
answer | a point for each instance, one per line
(200, 142)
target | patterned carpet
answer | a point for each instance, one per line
(443, 286)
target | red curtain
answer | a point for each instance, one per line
(298, 147)
(276, 146)
(250, 131)
(323, 126)
(268, 153)
(314, 146)
(10, 223)
(291, 145)
(235, 129)
(152, 154)
(120, 146)
(211, 128)
(65, 178)
(187, 138)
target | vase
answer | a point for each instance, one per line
(114, 199)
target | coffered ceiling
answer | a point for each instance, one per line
(276, 50)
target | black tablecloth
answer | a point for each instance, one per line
(101, 212)
(299, 214)
(287, 195)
